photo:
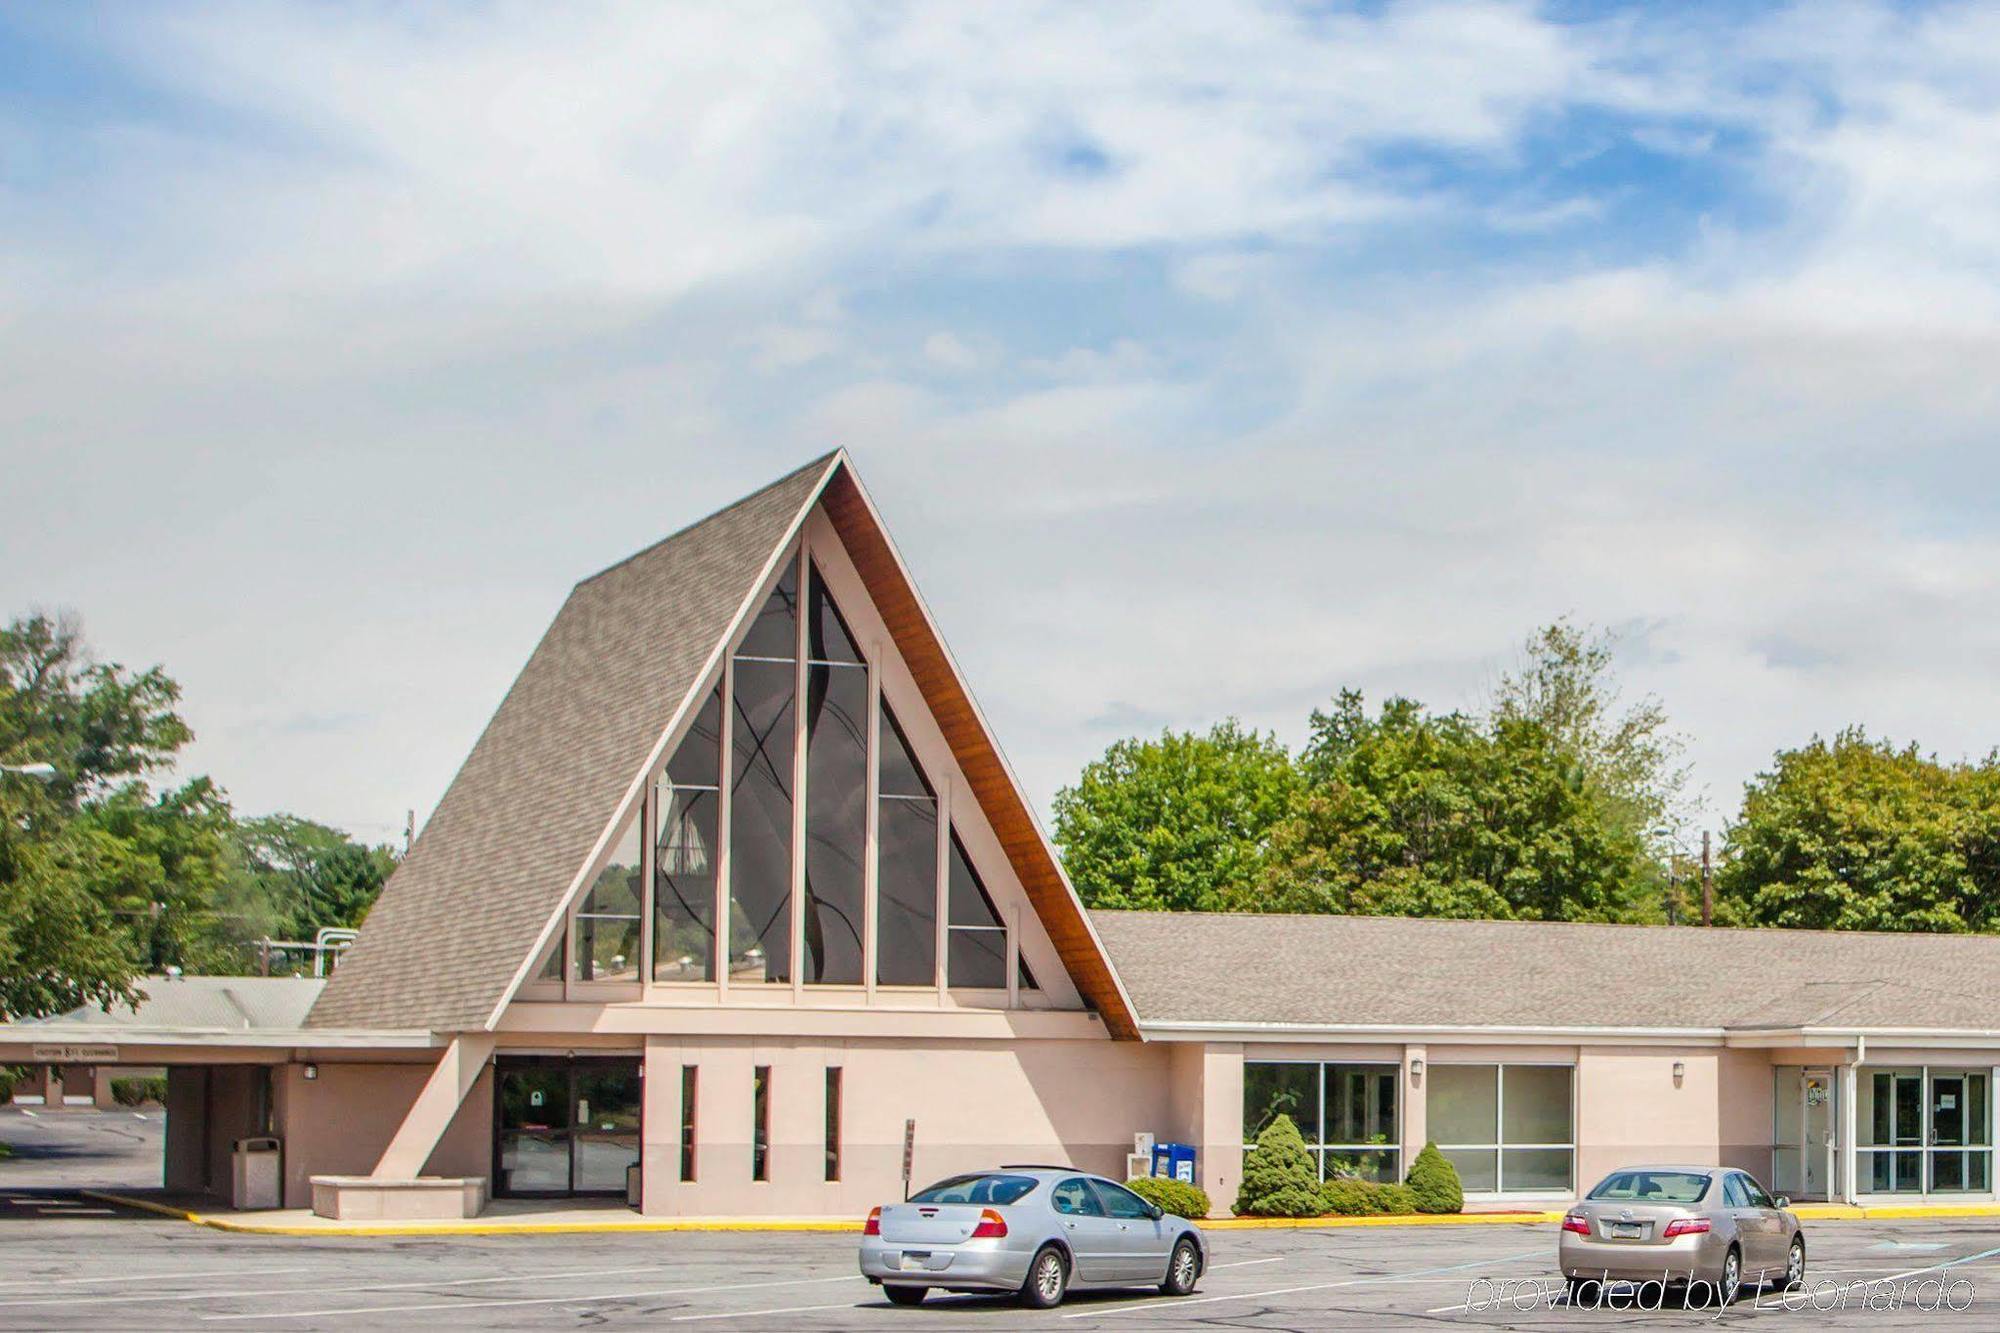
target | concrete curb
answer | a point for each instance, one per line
(474, 1227)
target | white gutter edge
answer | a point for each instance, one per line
(1390, 1031)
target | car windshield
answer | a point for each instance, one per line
(977, 1189)
(1651, 1187)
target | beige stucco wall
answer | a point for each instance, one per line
(339, 1123)
(975, 1104)
(1630, 1109)
(209, 1107)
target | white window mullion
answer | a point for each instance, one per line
(648, 849)
(943, 886)
(722, 817)
(871, 871)
(798, 922)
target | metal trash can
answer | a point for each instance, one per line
(254, 1176)
(1174, 1160)
(633, 1181)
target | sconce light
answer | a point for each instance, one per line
(311, 1072)
(1680, 1071)
(1416, 1069)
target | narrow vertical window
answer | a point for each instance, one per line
(761, 796)
(688, 1084)
(760, 1127)
(906, 834)
(977, 940)
(684, 859)
(833, 1122)
(836, 704)
(607, 925)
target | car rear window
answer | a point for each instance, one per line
(1651, 1187)
(977, 1189)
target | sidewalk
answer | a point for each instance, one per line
(505, 1217)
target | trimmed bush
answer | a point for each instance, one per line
(10, 1075)
(1434, 1182)
(1343, 1196)
(1279, 1178)
(1175, 1196)
(139, 1091)
(1399, 1200)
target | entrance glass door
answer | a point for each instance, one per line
(1959, 1159)
(564, 1126)
(1895, 1162)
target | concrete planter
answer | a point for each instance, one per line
(426, 1198)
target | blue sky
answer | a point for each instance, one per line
(1204, 358)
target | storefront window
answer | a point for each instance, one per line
(607, 925)
(1923, 1130)
(1345, 1112)
(1507, 1128)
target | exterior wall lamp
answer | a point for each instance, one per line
(311, 1072)
(1680, 1071)
(1416, 1070)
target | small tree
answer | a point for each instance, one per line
(1278, 1175)
(1434, 1182)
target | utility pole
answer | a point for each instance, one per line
(410, 832)
(1707, 881)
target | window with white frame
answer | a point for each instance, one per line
(1509, 1129)
(1346, 1112)
(798, 725)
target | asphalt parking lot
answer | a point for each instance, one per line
(71, 1262)
(67, 1265)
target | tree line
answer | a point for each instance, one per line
(1555, 802)
(106, 874)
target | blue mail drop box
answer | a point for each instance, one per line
(1174, 1160)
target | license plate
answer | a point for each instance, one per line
(1624, 1230)
(916, 1259)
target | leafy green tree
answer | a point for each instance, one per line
(1414, 814)
(1279, 1178)
(1857, 834)
(1179, 823)
(165, 869)
(309, 874)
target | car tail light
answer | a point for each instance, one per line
(873, 1226)
(991, 1225)
(1578, 1223)
(1685, 1226)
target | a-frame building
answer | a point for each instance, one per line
(735, 886)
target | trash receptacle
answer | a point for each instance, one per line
(253, 1174)
(633, 1182)
(1174, 1160)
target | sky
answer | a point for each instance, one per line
(1204, 359)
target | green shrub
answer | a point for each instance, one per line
(1434, 1182)
(1344, 1196)
(1279, 1178)
(1399, 1200)
(139, 1091)
(1175, 1196)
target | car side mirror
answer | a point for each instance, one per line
(1155, 1211)
(1783, 1202)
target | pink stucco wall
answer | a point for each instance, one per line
(339, 1123)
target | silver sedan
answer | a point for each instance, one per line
(1034, 1230)
(1682, 1225)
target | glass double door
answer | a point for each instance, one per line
(564, 1126)
(1929, 1131)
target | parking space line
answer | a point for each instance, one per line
(752, 1314)
(320, 1291)
(142, 1277)
(526, 1300)
(1181, 1302)
(1245, 1263)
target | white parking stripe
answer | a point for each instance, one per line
(752, 1314)
(1244, 1263)
(1181, 1302)
(141, 1277)
(321, 1291)
(531, 1300)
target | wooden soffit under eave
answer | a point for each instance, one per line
(972, 746)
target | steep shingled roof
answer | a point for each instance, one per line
(1306, 971)
(457, 920)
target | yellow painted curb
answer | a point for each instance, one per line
(467, 1228)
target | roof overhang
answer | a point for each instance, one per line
(1404, 1033)
(20, 1042)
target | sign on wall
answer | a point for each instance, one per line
(77, 1055)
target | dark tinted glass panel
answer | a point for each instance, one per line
(978, 957)
(900, 774)
(1027, 981)
(606, 1135)
(836, 821)
(774, 633)
(1272, 1090)
(688, 1085)
(827, 635)
(969, 904)
(607, 925)
(906, 877)
(760, 1128)
(697, 761)
(760, 834)
(833, 1123)
(684, 886)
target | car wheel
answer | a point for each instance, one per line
(1048, 1279)
(905, 1295)
(1732, 1274)
(1182, 1269)
(1795, 1264)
